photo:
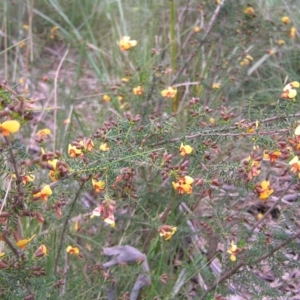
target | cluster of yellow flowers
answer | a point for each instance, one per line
(126, 44)
(184, 184)
(247, 60)
(264, 189)
(289, 91)
(85, 145)
(233, 251)
(293, 31)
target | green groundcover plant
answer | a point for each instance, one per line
(149, 160)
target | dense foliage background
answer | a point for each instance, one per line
(105, 124)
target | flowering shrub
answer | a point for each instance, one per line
(181, 158)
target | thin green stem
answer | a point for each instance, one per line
(173, 47)
(65, 225)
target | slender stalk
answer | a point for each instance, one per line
(68, 216)
(55, 97)
(5, 30)
(173, 47)
(10, 245)
(18, 255)
(163, 219)
(18, 202)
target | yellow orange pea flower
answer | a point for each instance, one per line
(104, 147)
(264, 190)
(99, 186)
(44, 193)
(126, 43)
(57, 168)
(185, 149)
(53, 176)
(295, 165)
(272, 155)
(90, 146)
(294, 84)
(53, 163)
(76, 226)
(73, 151)
(197, 29)
(249, 11)
(233, 251)
(53, 32)
(43, 133)
(167, 231)
(169, 92)
(289, 92)
(106, 98)
(259, 216)
(184, 185)
(23, 243)
(252, 167)
(212, 121)
(87, 144)
(250, 129)
(216, 85)
(280, 42)
(110, 220)
(96, 212)
(106, 211)
(247, 60)
(10, 126)
(293, 32)
(285, 20)
(27, 178)
(139, 90)
(2, 254)
(41, 251)
(72, 250)
(249, 57)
